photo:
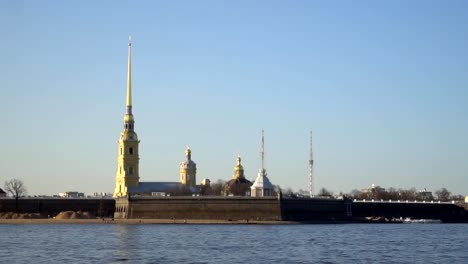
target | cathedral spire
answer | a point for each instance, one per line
(127, 176)
(129, 77)
(128, 119)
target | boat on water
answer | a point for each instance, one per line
(421, 221)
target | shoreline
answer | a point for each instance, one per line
(164, 221)
(138, 221)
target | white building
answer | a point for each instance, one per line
(71, 195)
(262, 186)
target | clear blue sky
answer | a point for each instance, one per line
(383, 85)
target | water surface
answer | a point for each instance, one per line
(348, 243)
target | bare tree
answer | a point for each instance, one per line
(324, 192)
(289, 193)
(443, 194)
(16, 189)
(216, 188)
(180, 191)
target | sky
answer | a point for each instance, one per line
(383, 85)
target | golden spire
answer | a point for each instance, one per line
(129, 77)
(128, 119)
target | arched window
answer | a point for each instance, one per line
(130, 150)
(130, 170)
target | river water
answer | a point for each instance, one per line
(346, 243)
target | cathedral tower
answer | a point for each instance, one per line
(188, 170)
(128, 158)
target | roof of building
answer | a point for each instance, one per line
(262, 181)
(148, 187)
(238, 181)
(2, 191)
(145, 187)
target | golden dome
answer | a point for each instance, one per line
(238, 169)
(129, 118)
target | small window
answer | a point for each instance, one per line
(130, 170)
(121, 151)
(130, 150)
(120, 170)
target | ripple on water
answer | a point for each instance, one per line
(197, 244)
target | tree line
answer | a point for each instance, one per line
(379, 193)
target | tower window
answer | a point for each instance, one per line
(130, 150)
(130, 170)
(121, 151)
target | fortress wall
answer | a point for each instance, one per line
(222, 208)
(53, 206)
(317, 209)
(443, 211)
(237, 208)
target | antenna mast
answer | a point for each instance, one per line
(263, 151)
(311, 168)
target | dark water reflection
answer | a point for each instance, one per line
(352, 243)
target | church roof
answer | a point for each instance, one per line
(145, 187)
(262, 181)
(242, 180)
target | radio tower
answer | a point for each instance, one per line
(311, 168)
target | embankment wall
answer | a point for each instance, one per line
(238, 208)
(222, 208)
(446, 212)
(53, 206)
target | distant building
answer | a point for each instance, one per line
(71, 195)
(426, 195)
(206, 182)
(238, 185)
(102, 195)
(186, 186)
(2, 193)
(466, 199)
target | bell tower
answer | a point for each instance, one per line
(188, 170)
(128, 152)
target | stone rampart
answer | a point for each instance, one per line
(222, 208)
(53, 206)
